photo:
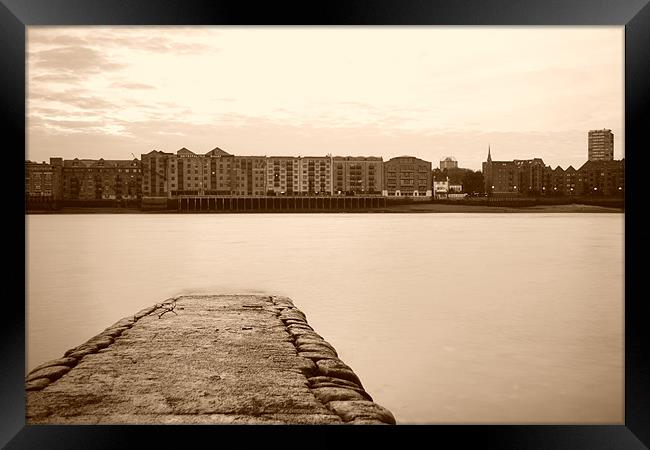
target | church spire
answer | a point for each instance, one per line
(489, 155)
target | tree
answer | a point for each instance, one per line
(473, 182)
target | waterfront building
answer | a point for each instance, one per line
(247, 175)
(214, 173)
(602, 177)
(315, 175)
(282, 175)
(188, 172)
(407, 176)
(221, 174)
(441, 188)
(455, 188)
(501, 177)
(448, 163)
(357, 175)
(101, 179)
(43, 181)
(600, 144)
(160, 175)
(530, 175)
(560, 182)
(39, 180)
(302, 175)
(513, 177)
(533, 178)
(57, 178)
(571, 182)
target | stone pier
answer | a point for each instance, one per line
(203, 359)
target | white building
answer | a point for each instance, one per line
(441, 188)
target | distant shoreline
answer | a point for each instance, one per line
(421, 208)
(450, 208)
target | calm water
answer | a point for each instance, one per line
(446, 318)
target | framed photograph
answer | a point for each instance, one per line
(446, 191)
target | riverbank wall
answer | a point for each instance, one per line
(280, 204)
(204, 359)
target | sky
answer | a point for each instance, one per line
(429, 92)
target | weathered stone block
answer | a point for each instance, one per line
(101, 341)
(85, 348)
(37, 384)
(330, 394)
(350, 410)
(367, 422)
(113, 332)
(78, 354)
(66, 361)
(337, 369)
(322, 379)
(316, 355)
(320, 348)
(296, 324)
(288, 322)
(126, 322)
(308, 338)
(144, 312)
(285, 315)
(53, 373)
(363, 393)
(301, 341)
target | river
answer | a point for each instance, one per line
(446, 318)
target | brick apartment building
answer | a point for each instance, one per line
(100, 179)
(407, 176)
(357, 175)
(532, 177)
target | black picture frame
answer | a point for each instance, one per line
(16, 15)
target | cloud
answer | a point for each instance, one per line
(125, 85)
(154, 44)
(62, 77)
(243, 135)
(73, 59)
(72, 97)
(65, 128)
(36, 37)
(254, 99)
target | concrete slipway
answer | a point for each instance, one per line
(209, 359)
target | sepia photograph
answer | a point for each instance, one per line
(320, 225)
